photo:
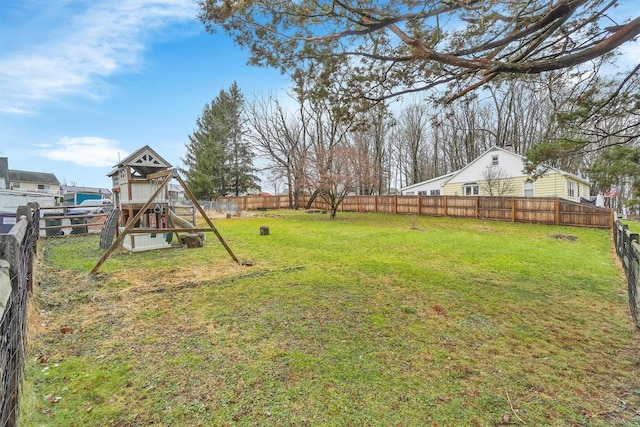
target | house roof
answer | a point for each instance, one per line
(28, 176)
(496, 149)
(89, 190)
(418, 184)
(449, 176)
(144, 161)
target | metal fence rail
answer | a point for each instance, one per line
(17, 251)
(628, 249)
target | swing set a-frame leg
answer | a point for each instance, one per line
(167, 178)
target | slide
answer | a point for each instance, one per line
(183, 223)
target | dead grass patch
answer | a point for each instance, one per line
(143, 280)
(567, 237)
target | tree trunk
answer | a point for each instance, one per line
(312, 199)
(334, 210)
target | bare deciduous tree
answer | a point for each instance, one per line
(280, 138)
(410, 137)
(496, 182)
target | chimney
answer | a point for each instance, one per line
(4, 173)
(509, 147)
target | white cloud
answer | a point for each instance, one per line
(630, 54)
(74, 56)
(87, 151)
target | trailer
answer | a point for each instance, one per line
(11, 199)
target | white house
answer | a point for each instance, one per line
(501, 172)
(37, 182)
(18, 188)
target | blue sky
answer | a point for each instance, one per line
(85, 81)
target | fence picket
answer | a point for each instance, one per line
(515, 209)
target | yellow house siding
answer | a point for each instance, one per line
(556, 185)
(585, 190)
(33, 186)
(549, 185)
(452, 189)
(517, 188)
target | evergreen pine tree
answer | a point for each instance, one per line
(218, 161)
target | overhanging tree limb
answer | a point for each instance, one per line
(422, 43)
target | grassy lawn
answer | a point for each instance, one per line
(367, 320)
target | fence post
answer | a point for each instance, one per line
(621, 228)
(513, 209)
(477, 213)
(445, 206)
(557, 210)
(626, 247)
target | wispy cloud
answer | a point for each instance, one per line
(87, 151)
(87, 42)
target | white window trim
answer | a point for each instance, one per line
(475, 190)
(571, 190)
(533, 188)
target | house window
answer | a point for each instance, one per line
(494, 160)
(528, 188)
(422, 193)
(43, 187)
(571, 189)
(409, 193)
(434, 192)
(15, 185)
(471, 189)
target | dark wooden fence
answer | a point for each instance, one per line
(628, 250)
(17, 250)
(515, 209)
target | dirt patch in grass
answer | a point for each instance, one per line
(567, 237)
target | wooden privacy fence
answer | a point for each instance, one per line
(515, 209)
(17, 251)
(628, 250)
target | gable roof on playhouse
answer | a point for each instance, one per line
(143, 161)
